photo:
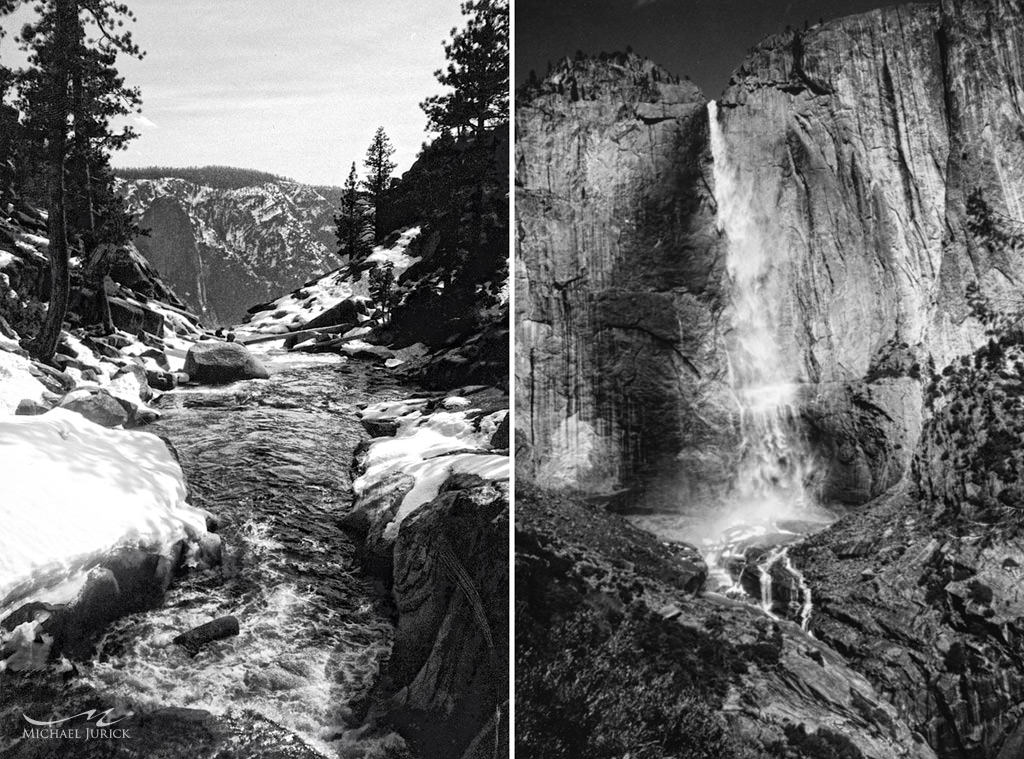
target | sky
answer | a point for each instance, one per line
(703, 39)
(294, 88)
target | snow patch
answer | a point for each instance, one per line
(292, 311)
(428, 448)
(16, 384)
(74, 491)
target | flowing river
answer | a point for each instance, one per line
(271, 459)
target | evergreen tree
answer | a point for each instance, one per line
(379, 166)
(477, 72)
(382, 289)
(67, 98)
(10, 126)
(353, 228)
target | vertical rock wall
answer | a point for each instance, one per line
(618, 273)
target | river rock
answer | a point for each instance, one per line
(161, 380)
(138, 385)
(97, 405)
(380, 427)
(29, 407)
(127, 581)
(216, 629)
(215, 362)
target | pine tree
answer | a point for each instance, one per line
(67, 98)
(382, 289)
(379, 166)
(353, 228)
(477, 72)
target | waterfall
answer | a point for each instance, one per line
(773, 464)
(796, 596)
(766, 503)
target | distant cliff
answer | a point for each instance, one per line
(223, 249)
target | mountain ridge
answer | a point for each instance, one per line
(223, 249)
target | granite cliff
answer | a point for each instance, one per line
(860, 142)
(224, 248)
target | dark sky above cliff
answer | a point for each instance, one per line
(704, 39)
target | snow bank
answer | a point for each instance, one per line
(426, 450)
(72, 492)
(294, 310)
(16, 383)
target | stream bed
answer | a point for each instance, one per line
(271, 460)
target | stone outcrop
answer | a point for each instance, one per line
(448, 670)
(432, 508)
(862, 140)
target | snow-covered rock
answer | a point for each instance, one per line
(401, 473)
(73, 494)
(298, 308)
(17, 383)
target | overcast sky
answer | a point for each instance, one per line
(704, 39)
(292, 87)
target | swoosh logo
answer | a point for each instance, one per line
(103, 720)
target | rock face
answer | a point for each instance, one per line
(432, 507)
(216, 363)
(224, 249)
(619, 273)
(862, 140)
(450, 660)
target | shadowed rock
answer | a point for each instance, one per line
(217, 629)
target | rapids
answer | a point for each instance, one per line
(271, 460)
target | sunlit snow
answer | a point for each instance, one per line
(73, 491)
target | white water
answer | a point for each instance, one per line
(768, 492)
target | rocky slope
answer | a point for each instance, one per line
(432, 505)
(920, 589)
(613, 636)
(861, 141)
(224, 249)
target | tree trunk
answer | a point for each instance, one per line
(45, 344)
(94, 254)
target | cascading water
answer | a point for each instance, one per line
(767, 502)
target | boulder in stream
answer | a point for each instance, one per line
(216, 629)
(215, 362)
